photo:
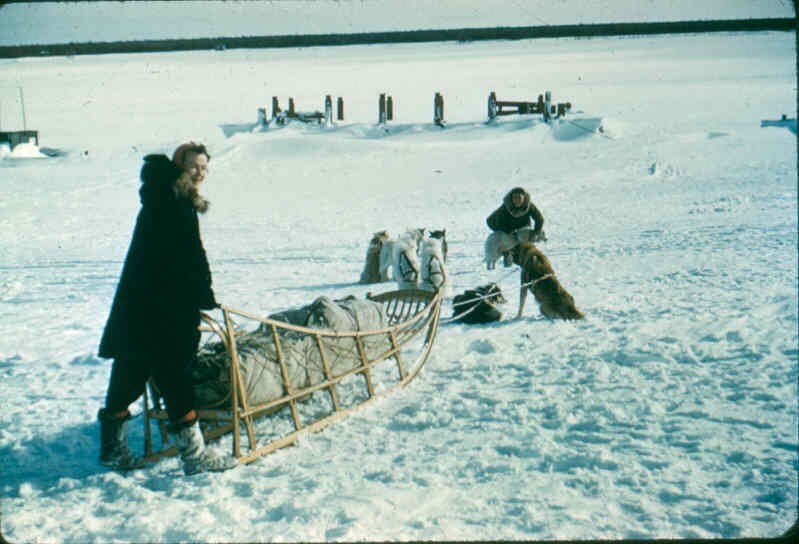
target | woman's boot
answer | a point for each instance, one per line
(114, 451)
(188, 439)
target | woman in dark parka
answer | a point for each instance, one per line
(516, 212)
(152, 330)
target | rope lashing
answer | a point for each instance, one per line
(533, 282)
(407, 270)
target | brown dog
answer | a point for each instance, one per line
(539, 277)
(371, 268)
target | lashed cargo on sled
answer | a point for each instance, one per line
(247, 372)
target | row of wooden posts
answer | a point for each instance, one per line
(543, 106)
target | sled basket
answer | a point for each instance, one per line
(337, 372)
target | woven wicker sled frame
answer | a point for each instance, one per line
(412, 314)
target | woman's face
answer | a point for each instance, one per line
(196, 166)
(517, 199)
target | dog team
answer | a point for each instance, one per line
(415, 261)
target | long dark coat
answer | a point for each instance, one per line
(508, 218)
(165, 279)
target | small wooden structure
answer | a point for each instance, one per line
(783, 121)
(543, 106)
(412, 317)
(16, 137)
(282, 117)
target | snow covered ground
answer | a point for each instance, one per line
(670, 411)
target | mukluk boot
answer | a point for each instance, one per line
(114, 451)
(188, 439)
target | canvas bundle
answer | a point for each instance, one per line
(259, 363)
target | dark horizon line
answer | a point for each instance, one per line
(402, 36)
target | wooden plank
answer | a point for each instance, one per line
(397, 355)
(238, 385)
(295, 415)
(329, 377)
(148, 439)
(234, 401)
(365, 366)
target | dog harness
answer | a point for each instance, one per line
(407, 270)
(435, 272)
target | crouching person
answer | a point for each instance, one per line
(516, 220)
(152, 330)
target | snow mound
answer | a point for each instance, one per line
(576, 128)
(22, 151)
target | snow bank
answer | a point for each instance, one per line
(22, 151)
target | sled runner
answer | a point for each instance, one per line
(348, 353)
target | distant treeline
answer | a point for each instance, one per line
(62, 1)
(458, 34)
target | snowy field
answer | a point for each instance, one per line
(669, 412)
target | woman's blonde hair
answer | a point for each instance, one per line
(189, 147)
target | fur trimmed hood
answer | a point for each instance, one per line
(161, 179)
(517, 211)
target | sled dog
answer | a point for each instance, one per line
(499, 243)
(478, 305)
(538, 276)
(402, 256)
(434, 272)
(441, 235)
(371, 268)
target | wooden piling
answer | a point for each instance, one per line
(381, 109)
(492, 105)
(438, 110)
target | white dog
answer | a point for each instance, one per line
(434, 271)
(500, 243)
(405, 263)
(386, 259)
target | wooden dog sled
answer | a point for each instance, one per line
(350, 370)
